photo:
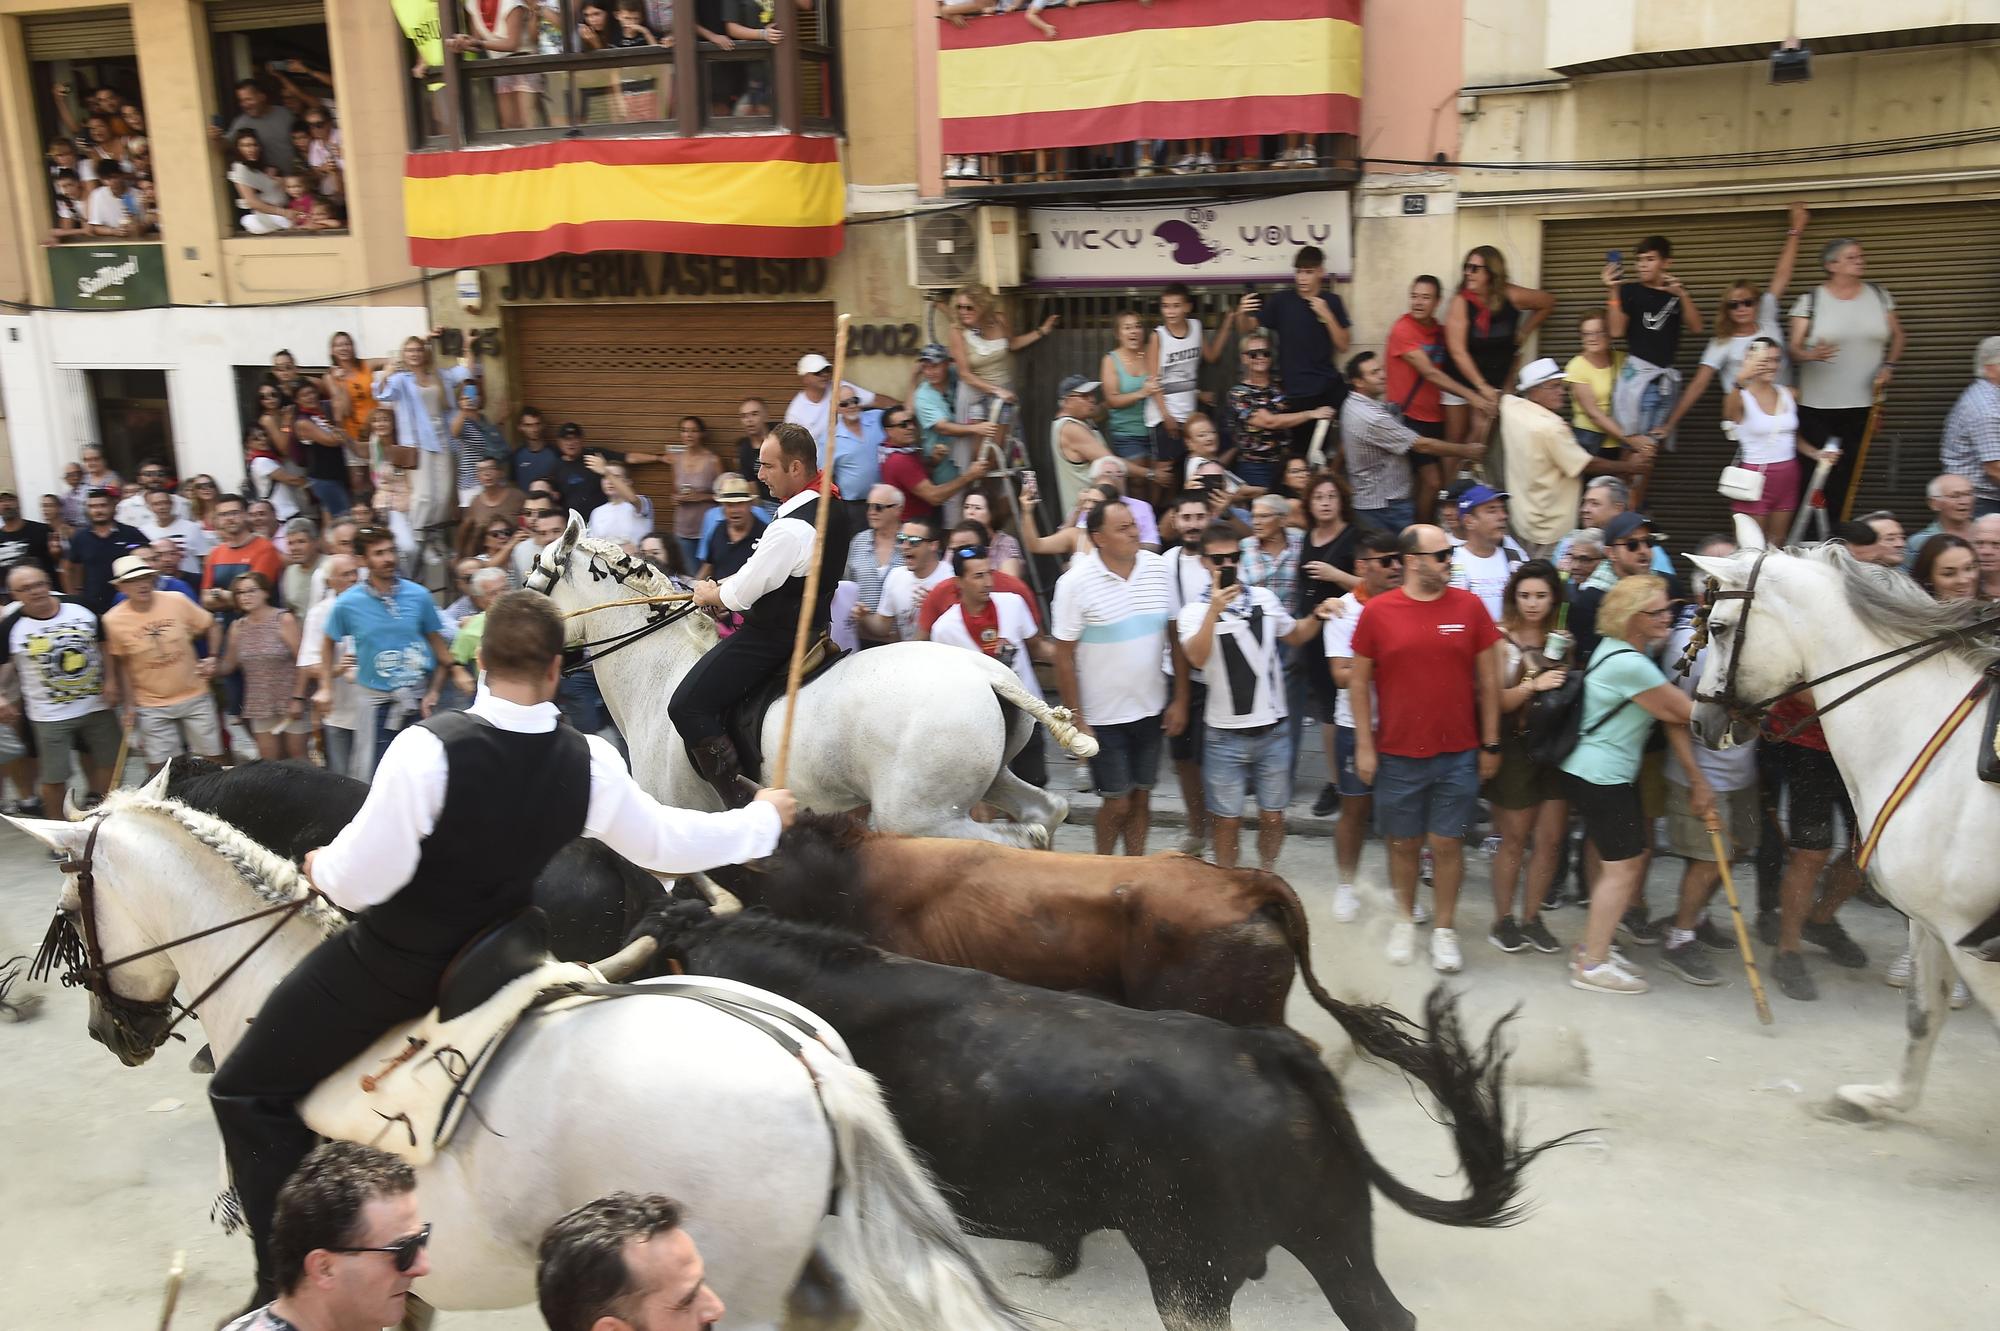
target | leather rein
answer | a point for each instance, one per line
(1911, 654)
(72, 944)
(667, 608)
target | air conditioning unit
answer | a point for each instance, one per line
(954, 247)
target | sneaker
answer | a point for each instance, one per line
(1424, 864)
(1714, 937)
(1960, 996)
(1081, 775)
(1346, 903)
(1419, 912)
(1557, 900)
(1446, 959)
(1900, 970)
(1690, 962)
(1538, 936)
(1767, 928)
(1328, 801)
(1793, 979)
(1192, 843)
(1842, 949)
(1607, 977)
(31, 807)
(1402, 943)
(1507, 936)
(1637, 929)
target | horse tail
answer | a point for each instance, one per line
(1375, 1028)
(1057, 719)
(1468, 1087)
(909, 1264)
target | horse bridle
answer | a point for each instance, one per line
(1923, 648)
(657, 618)
(72, 944)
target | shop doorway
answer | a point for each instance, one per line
(133, 422)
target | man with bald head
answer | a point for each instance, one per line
(1428, 731)
(1986, 545)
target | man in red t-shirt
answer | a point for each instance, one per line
(1433, 656)
(1413, 358)
(946, 594)
(905, 467)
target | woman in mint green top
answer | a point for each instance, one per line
(1624, 693)
(1126, 385)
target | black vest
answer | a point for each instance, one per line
(776, 612)
(511, 801)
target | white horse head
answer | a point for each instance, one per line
(1778, 661)
(160, 871)
(558, 573)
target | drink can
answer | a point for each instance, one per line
(1556, 649)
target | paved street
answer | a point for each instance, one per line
(1707, 1195)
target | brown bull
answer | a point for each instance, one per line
(1166, 931)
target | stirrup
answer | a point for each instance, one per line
(717, 762)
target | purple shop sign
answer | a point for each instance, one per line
(1249, 241)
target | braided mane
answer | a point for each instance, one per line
(270, 875)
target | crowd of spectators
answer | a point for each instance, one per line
(100, 168)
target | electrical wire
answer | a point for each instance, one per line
(1710, 161)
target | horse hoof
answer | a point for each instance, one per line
(1854, 1104)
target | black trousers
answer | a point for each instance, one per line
(343, 996)
(1847, 424)
(736, 667)
(1030, 764)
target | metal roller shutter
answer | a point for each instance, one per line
(91, 35)
(252, 15)
(1935, 259)
(628, 373)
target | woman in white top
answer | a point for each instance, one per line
(983, 346)
(1745, 315)
(420, 393)
(1766, 416)
(1846, 340)
(258, 192)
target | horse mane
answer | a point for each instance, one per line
(270, 875)
(823, 946)
(1893, 605)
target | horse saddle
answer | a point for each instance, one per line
(1989, 735)
(743, 720)
(407, 1092)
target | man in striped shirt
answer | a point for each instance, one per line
(1109, 622)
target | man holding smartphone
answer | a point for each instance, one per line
(1246, 745)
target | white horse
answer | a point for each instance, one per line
(1819, 611)
(917, 731)
(651, 1095)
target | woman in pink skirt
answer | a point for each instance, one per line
(1766, 416)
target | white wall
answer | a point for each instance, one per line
(198, 348)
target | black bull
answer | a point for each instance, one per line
(1051, 1116)
(592, 895)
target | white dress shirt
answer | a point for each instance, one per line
(375, 855)
(785, 550)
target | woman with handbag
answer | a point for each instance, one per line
(1764, 482)
(1527, 796)
(1624, 692)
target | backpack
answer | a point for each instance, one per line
(1554, 719)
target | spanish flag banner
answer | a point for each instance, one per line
(775, 196)
(1175, 69)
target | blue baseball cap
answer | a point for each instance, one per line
(1477, 495)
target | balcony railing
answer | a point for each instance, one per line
(562, 89)
(1118, 94)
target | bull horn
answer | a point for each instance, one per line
(629, 960)
(69, 810)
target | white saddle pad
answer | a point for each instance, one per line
(407, 1092)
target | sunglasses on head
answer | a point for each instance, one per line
(404, 1250)
(961, 553)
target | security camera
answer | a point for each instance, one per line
(1791, 63)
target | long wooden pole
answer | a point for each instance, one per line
(1860, 461)
(1736, 917)
(800, 639)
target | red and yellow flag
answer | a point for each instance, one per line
(1176, 69)
(767, 196)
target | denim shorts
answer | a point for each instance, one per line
(1237, 761)
(1128, 757)
(1345, 779)
(1132, 446)
(1392, 517)
(1419, 796)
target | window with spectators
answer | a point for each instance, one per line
(279, 147)
(91, 127)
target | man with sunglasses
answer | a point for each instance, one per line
(904, 587)
(905, 467)
(1431, 652)
(348, 1241)
(1629, 543)
(134, 510)
(858, 438)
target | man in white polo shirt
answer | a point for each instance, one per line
(1109, 622)
(1482, 563)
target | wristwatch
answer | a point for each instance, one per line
(1489, 748)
